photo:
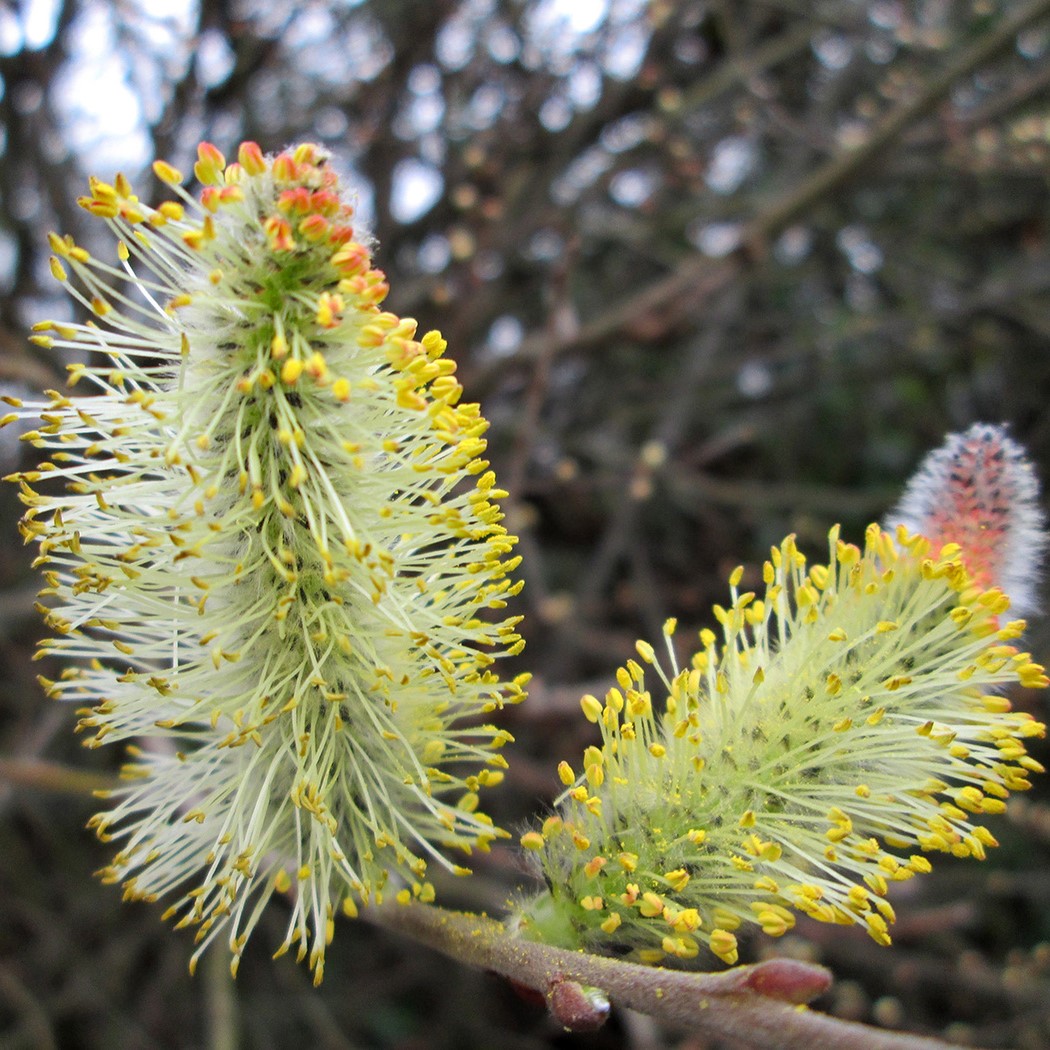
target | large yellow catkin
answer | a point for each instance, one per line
(278, 563)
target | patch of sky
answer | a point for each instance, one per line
(313, 24)
(38, 22)
(421, 115)
(886, 14)
(331, 123)
(714, 239)
(214, 59)
(488, 265)
(504, 336)
(269, 18)
(621, 11)
(369, 51)
(1033, 43)
(632, 187)
(732, 161)
(416, 188)
(178, 12)
(362, 197)
(880, 50)
(8, 260)
(584, 87)
(101, 115)
(555, 112)
(583, 172)
(793, 245)
(10, 33)
(338, 51)
(485, 105)
(833, 51)
(457, 38)
(626, 133)
(861, 252)
(754, 379)
(861, 293)
(623, 54)
(424, 79)
(434, 254)
(433, 148)
(691, 49)
(545, 245)
(27, 97)
(25, 203)
(502, 42)
(559, 21)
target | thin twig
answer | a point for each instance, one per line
(762, 1005)
(220, 1004)
(50, 776)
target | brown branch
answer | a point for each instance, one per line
(761, 1005)
(50, 776)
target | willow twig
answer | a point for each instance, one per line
(50, 776)
(762, 1005)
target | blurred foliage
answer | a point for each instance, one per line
(717, 270)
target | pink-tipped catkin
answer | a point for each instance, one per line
(979, 490)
